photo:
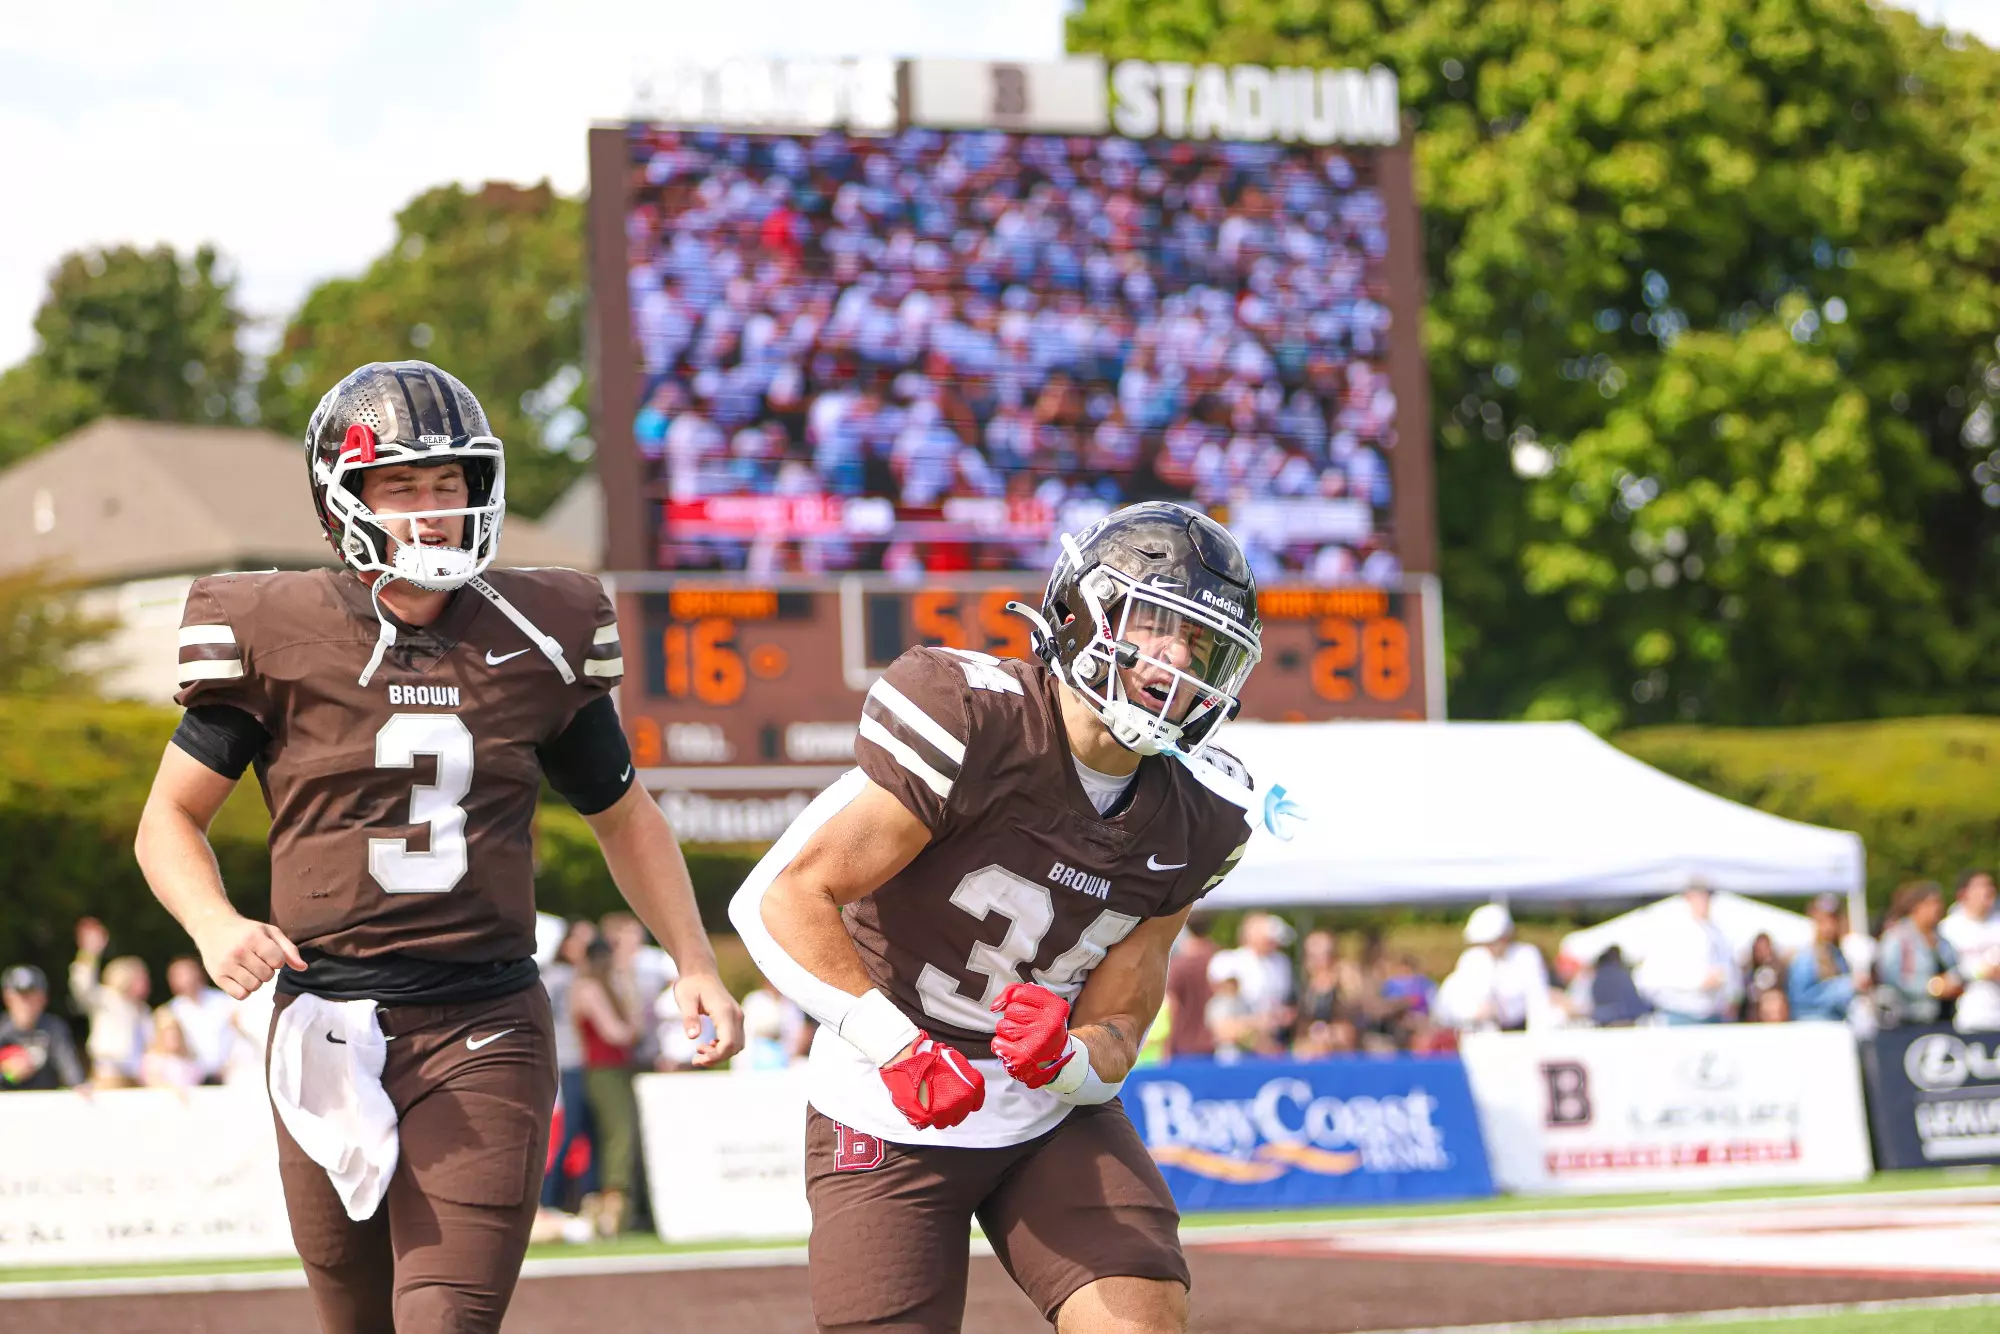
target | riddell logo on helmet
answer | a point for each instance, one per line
(1233, 608)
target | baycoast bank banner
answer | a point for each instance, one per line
(1278, 1134)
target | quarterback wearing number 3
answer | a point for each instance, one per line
(401, 712)
(980, 914)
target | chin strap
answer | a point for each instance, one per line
(551, 649)
(546, 643)
(388, 632)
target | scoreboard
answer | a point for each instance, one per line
(750, 690)
(868, 337)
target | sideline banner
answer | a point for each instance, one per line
(1581, 1110)
(1934, 1096)
(726, 1153)
(1259, 1134)
(139, 1175)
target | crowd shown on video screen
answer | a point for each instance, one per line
(1063, 324)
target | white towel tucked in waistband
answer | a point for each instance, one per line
(326, 1082)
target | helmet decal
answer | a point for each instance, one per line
(359, 446)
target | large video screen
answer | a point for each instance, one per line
(937, 351)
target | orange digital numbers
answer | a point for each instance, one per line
(945, 620)
(1006, 633)
(702, 661)
(1385, 658)
(645, 737)
(936, 620)
(1339, 647)
(1374, 652)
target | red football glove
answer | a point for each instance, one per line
(934, 1086)
(1032, 1036)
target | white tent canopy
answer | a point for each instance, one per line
(1453, 812)
(1739, 919)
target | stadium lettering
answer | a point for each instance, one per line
(442, 697)
(1393, 1132)
(1250, 102)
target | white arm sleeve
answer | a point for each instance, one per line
(870, 1021)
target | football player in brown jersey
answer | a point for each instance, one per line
(980, 916)
(401, 712)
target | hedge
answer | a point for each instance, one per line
(73, 778)
(1923, 793)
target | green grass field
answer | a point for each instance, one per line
(1964, 1320)
(647, 1244)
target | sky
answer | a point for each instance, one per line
(289, 134)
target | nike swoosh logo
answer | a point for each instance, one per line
(474, 1044)
(627, 774)
(492, 661)
(341, 1041)
(1153, 863)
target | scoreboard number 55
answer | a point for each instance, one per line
(1373, 653)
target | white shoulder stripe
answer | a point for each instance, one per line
(216, 669)
(909, 759)
(604, 667)
(606, 634)
(925, 726)
(206, 634)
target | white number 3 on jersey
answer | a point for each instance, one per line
(443, 736)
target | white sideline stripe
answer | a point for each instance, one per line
(206, 634)
(274, 1280)
(1737, 1315)
(604, 667)
(1193, 1233)
(265, 1280)
(925, 726)
(219, 669)
(606, 634)
(909, 759)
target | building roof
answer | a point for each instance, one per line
(577, 517)
(122, 500)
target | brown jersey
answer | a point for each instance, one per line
(1023, 881)
(401, 811)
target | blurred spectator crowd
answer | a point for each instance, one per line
(612, 994)
(1051, 326)
(1272, 994)
(1930, 961)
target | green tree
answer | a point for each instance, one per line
(125, 332)
(1622, 201)
(488, 284)
(42, 628)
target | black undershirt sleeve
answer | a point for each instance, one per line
(221, 736)
(590, 763)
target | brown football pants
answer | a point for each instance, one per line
(891, 1222)
(473, 1086)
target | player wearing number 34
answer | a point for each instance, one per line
(401, 712)
(979, 916)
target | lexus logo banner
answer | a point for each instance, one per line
(1934, 1096)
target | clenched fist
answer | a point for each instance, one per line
(1032, 1036)
(242, 955)
(934, 1087)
